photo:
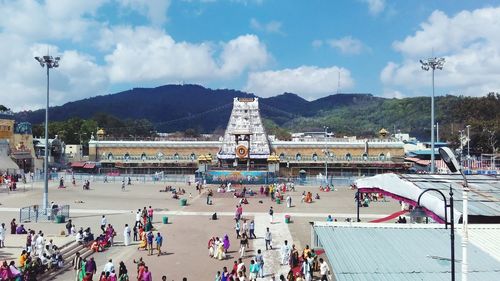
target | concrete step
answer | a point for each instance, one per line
(85, 252)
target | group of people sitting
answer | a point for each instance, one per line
(326, 188)
(37, 258)
(175, 192)
(307, 197)
(225, 188)
(401, 220)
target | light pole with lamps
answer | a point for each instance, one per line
(432, 63)
(451, 223)
(468, 142)
(449, 158)
(48, 62)
(327, 154)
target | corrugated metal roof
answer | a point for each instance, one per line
(405, 252)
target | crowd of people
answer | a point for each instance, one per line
(37, 257)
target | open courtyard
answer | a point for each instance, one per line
(189, 227)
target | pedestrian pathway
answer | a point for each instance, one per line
(280, 233)
(196, 213)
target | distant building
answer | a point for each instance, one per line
(19, 138)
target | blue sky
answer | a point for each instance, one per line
(262, 46)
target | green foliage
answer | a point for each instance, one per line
(273, 129)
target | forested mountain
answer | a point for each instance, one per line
(172, 108)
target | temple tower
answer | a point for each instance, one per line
(245, 141)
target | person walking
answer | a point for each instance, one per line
(324, 270)
(123, 185)
(237, 228)
(146, 275)
(104, 222)
(268, 239)
(2, 235)
(68, 227)
(91, 267)
(289, 201)
(77, 263)
(126, 235)
(159, 242)
(243, 244)
(251, 230)
(13, 226)
(285, 253)
(150, 238)
(271, 213)
(259, 259)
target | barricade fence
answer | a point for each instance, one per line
(35, 213)
(337, 181)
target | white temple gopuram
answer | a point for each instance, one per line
(245, 138)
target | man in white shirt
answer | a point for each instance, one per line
(109, 266)
(323, 269)
(285, 253)
(268, 238)
(104, 222)
(138, 217)
(126, 235)
(40, 244)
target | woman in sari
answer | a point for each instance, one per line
(82, 273)
(144, 242)
(211, 247)
(226, 243)
(294, 258)
(220, 251)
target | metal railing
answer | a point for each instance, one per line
(36, 214)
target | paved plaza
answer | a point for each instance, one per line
(189, 228)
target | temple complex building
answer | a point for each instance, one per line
(246, 151)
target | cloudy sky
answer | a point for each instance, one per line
(266, 47)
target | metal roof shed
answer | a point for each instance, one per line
(359, 252)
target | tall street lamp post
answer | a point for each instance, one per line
(327, 154)
(451, 223)
(432, 63)
(48, 62)
(468, 142)
(452, 163)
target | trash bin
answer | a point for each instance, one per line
(60, 219)
(184, 202)
(287, 218)
(278, 200)
(165, 220)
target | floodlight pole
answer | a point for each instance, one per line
(432, 63)
(327, 154)
(48, 62)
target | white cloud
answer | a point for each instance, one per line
(49, 20)
(148, 54)
(375, 6)
(470, 43)
(24, 81)
(155, 10)
(317, 43)
(310, 82)
(244, 52)
(270, 27)
(347, 45)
